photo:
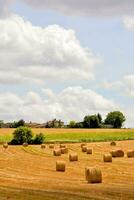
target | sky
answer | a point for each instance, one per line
(66, 59)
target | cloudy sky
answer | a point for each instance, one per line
(65, 59)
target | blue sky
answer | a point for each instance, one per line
(108, 38)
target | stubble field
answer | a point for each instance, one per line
(28, 173)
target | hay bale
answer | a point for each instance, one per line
(43, 146)
(107, 157)
(73, 157)
(64, 150)
(83, 144)
(93, 175)
(84, 149)
(60, 166)
(113, 143)
(51, 146)
(117, 153)
(130, 154)
(57, 152)
(25, 144)
(89, 150)
(62, 146)
(5, 145)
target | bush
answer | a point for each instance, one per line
(22, 135)
(39, 139)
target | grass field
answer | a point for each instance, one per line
(28, 173)
(76, 135)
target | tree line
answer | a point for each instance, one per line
(113, 119)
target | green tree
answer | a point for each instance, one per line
(91, 121)
(99, 117)
(17, 124)
(21, 122)
(22, 135)
(116, 119)
(1, 123)
(79, 125)
(72, 124)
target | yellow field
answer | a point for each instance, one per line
(63, 131)
(29, 174)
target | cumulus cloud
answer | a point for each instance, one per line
(129, 23)
(70, 103)
(86, 7)
(32, 53)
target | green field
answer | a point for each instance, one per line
(90, 137)
(75, 135)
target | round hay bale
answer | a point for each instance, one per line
(62, 146)
(83, 144)
(5, 145)
(60, 166)
(89, 150)
(51, 146)
(64, 150)
(113, 143)
(84, 149)
(107, 157)
(57, 152)
(117, 153)
(43, 146)
(130, 154)
(73, 157)
(25, 144)
(93, 175)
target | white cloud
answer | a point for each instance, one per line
(86, 7)
(31, 53)
(71, 103)
(129, 23)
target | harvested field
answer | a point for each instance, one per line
(35, 178)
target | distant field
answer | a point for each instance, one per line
(76, 135)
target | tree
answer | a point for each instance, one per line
(22, 135)
(99, 117)
(1, 123)
(91, 121)
(72, 124)
(79, 125)
(21, 123)
(116, 119)
(17, 124)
